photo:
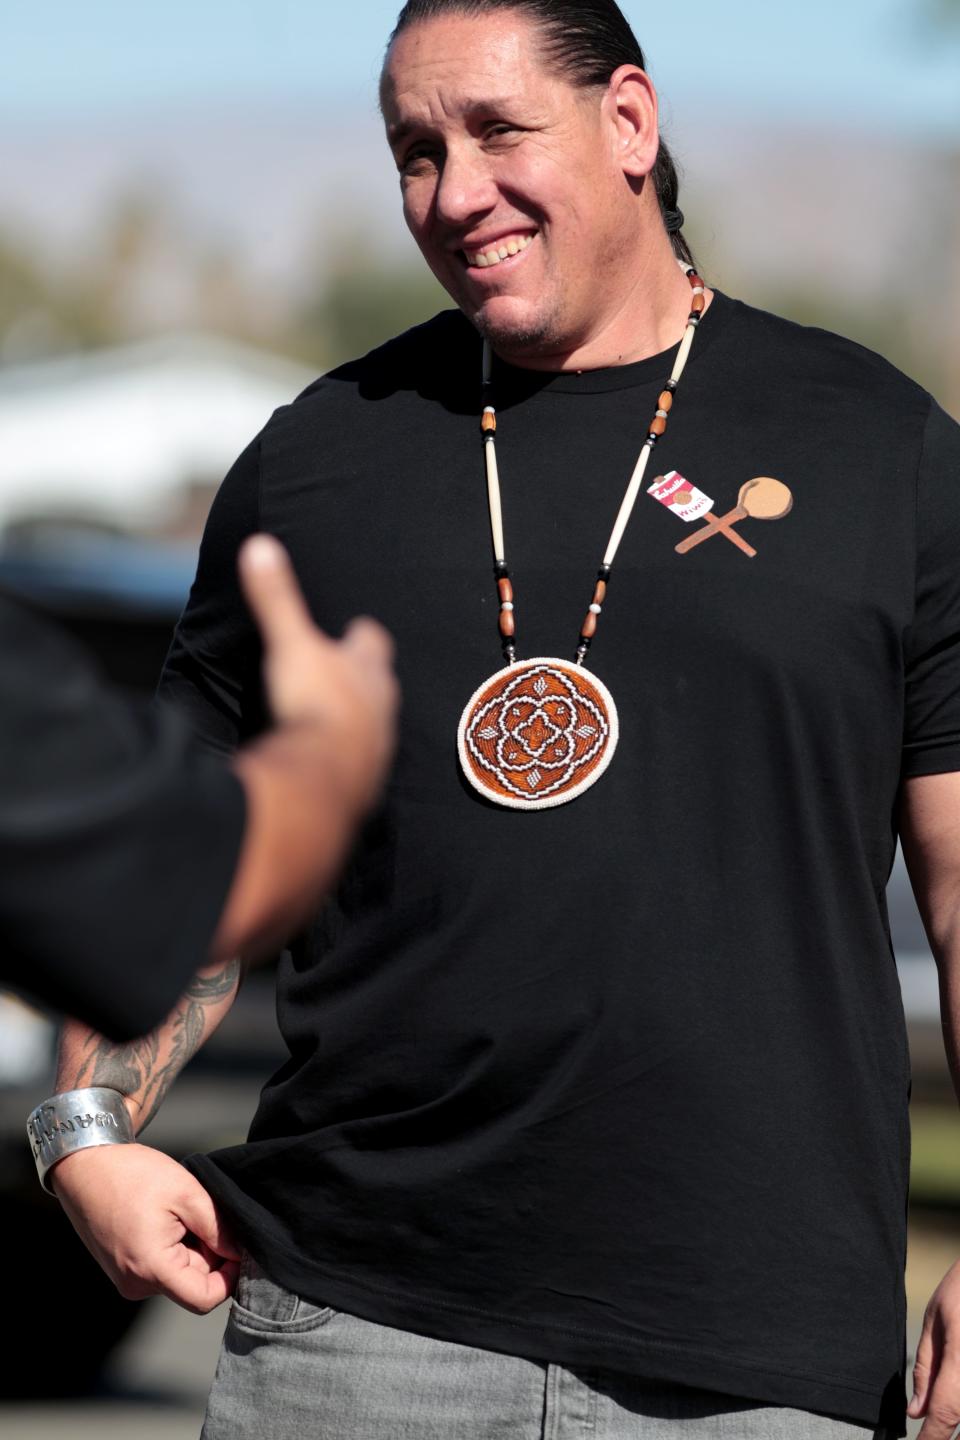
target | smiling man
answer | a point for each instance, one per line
(595, 1117)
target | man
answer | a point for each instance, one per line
(129, 858)
(595, 1120)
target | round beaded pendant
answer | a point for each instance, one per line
(540, 732)
(537, 733)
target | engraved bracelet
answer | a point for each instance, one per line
(76, 1120)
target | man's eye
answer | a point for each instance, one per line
(419, 158)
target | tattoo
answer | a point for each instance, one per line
(134, 1069)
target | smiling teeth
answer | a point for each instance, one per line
(482, 258)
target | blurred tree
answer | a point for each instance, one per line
(42, 312)
(363, 299)
(24, 296)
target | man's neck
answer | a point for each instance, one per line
(651, 318)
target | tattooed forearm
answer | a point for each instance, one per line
(120, 1067)
(145, 1069)
(189, 1022)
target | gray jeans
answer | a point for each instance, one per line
(289, 1370)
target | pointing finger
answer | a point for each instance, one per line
(272, 591)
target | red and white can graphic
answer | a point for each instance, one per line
(680, 496)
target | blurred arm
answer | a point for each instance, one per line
(308, 783)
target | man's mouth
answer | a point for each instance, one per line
(504, 248)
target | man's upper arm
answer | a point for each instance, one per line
(930, 834)
(212, 671)
(930, 792)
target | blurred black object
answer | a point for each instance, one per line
(119, 597)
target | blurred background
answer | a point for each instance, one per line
(198, 214)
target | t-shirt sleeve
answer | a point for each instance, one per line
(119, 837)
(212, 671)
(931, 743)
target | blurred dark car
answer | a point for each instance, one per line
(120, 598)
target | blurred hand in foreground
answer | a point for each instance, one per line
(347, 686)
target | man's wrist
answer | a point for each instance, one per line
(76, 1120)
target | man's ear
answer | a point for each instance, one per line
(630, 105)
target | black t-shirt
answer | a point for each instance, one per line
(621, 1083)
(118, 837)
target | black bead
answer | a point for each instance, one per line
(651, 439)
(585, 642)
(671, 385)
(500, 570)
(604, 572)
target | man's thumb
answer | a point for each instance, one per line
(271, 590)
(199, 1214)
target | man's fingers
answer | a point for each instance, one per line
(272, 591)
(196, 1287)
(922, 1372)
(943, 1413)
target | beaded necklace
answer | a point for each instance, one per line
(540, 732)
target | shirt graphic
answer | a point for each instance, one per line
(762, 498)
(680, 496)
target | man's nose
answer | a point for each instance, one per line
(466, 187)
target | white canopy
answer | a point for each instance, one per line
(115, 435)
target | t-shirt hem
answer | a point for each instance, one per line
(672, 1361)
(641, 1354)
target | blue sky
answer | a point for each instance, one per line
(868, 61)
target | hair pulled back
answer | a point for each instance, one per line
(586, 40)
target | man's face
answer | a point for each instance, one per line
(510, 179)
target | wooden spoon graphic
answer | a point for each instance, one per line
(762, 498)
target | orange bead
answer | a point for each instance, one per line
(697, 304)
(506, 589)
(600, 594)
(507, 627)
(657, 425)
(665, 401)
(488, 422)
(695, 280)
(589, 627)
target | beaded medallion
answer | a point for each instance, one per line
(537, 733)
(540, 732)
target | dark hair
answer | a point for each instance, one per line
(586, 40)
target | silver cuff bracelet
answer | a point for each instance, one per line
(76, 1120)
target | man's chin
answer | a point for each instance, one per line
(511, 328)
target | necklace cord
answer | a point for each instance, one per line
(656, 428)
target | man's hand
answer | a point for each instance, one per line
(347, 686)
(149, 1224)
(936, 1374)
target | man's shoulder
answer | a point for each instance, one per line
(809, 353)
(424, 359)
